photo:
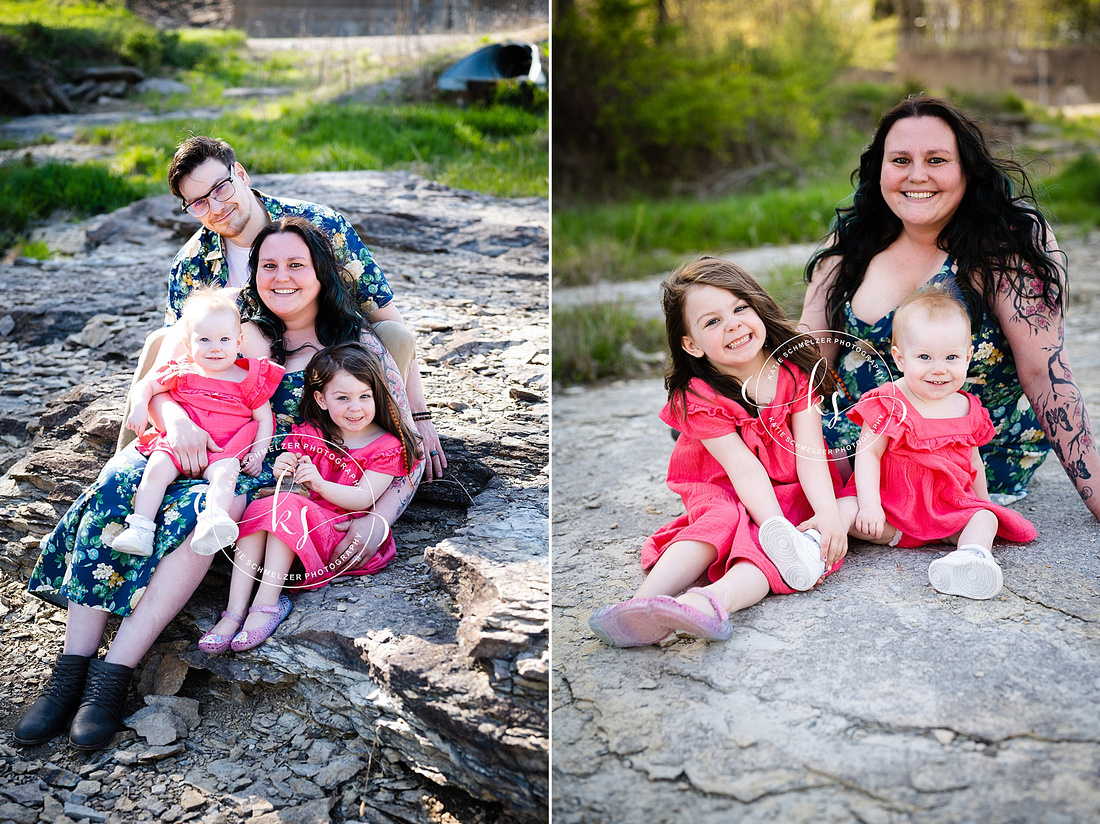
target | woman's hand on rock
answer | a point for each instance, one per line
(435, 460)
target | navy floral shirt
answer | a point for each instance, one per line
(202, 259)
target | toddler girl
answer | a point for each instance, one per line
(750, 462)
(918, 476)
(351, 446)
(228, 397)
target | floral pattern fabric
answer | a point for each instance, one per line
(77, 562)
(1019, 445)
(202, 260)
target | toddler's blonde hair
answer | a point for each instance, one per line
(207, 300)
(933, 303)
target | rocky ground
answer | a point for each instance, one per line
(418, 695)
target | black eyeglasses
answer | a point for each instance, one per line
(222, 191)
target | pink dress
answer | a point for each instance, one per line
(308, 525)
(714, 514)
(222, 408)
(927, 477)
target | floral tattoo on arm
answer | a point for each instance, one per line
(1061, 408)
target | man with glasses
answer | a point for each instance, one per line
(214, 188)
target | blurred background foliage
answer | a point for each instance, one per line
(324, 117)
(689, 126)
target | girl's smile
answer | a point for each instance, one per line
(350, 404)
(724, 329)
(214, 340)
(934, 355)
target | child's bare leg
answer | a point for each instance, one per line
(277, 561)
(980, 530)
(222, 476)
(159, 474)
(140, 533)
(247, 564)
(678, 568)
(743, 585)
(215, 529)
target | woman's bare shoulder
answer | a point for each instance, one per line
(255, 344)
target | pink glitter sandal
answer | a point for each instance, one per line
(630, 624)
(213, 644)
(247, 639)
(688, 619)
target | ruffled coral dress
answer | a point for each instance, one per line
(308, 525)
(714, 514)
(927, 479)
(223, 409)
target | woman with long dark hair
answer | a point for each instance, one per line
(934, 207)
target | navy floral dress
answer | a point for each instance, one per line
(1019, 446)
(77, 562)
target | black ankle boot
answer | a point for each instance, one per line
(53, 710)
(100, 713)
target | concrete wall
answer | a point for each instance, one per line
(348, 18)
(1048, 76)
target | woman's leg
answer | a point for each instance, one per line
(173, 583)
(84, 628)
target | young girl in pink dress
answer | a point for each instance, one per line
(918, 476)
(229, 397)
(351, 446)
(750, 463)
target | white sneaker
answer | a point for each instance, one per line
(215, 530)
(137, 538)
(795, 554)
(969, 571)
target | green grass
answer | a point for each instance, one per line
(602, 341)
(639, 239)
(71, 34)
(498, 150)
(37, 249)
(29, 193)
(1072, 197)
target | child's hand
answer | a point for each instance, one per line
(285, 462)
(253, 462)
(871, 520)
(834, 539)
(138, 420)
(307, 474)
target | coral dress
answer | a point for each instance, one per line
(1016, 450)
(927, 475)
(223, 409)
(714, 514)
(308, 525)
